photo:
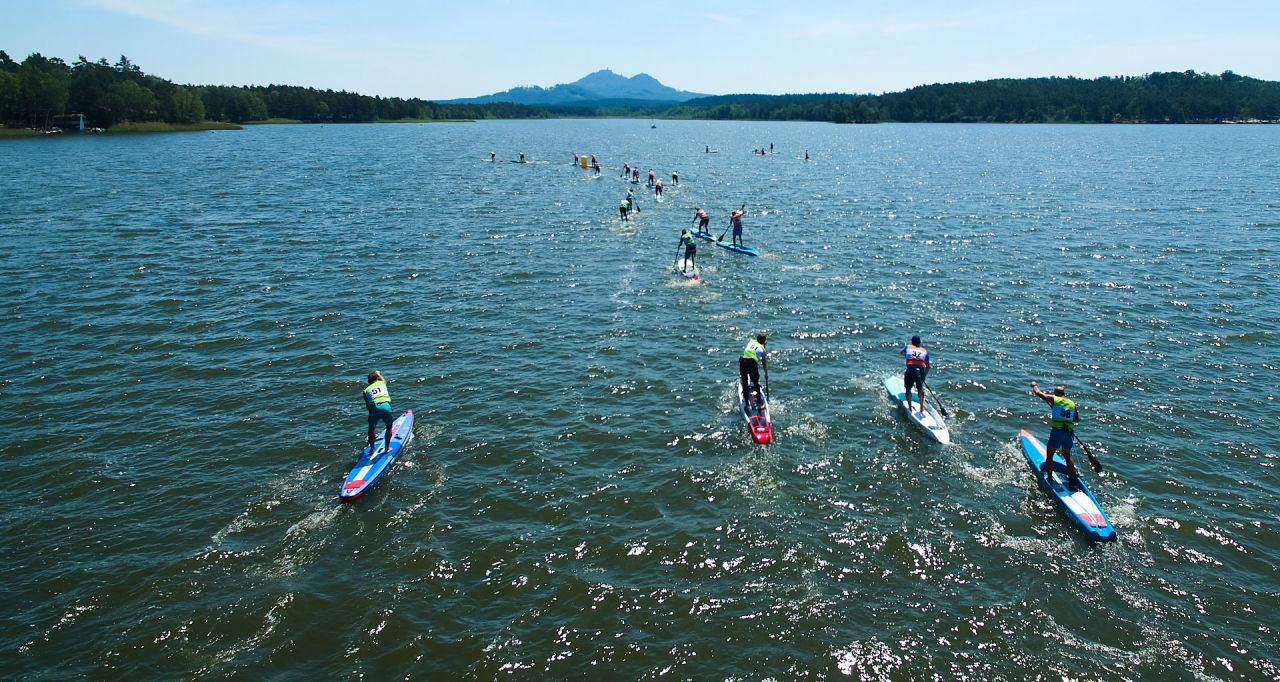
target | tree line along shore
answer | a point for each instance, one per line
(47, 94)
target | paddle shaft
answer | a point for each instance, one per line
(937, 402)
(766, 377)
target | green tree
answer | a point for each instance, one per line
(44, 88)
(88, 91)
(181, 105)
(10, 97)
(128, 101)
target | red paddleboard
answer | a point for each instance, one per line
(756, 415)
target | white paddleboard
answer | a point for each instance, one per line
(927, 419)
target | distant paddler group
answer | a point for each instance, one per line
(582, 161)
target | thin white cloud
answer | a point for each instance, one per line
(904, 24)
(722, 18)
(263, 25)
(822, 29)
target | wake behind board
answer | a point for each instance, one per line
(369, 469)
(658, 198)
(1080, 506)
(756, 417)
(686, 269)
(928, 419)
(738, 249)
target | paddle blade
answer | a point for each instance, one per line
(1093, 461)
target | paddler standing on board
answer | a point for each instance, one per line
(690, 251)
(736, 219)
(624, 208)
(753, 357)
(917, 368)
(1063, 417)
(701, 218)
(378, 401)
(657, 188)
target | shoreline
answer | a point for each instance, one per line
(159, 127)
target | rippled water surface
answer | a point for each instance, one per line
(187, 320)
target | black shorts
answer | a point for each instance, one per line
(748, 368)
(912, 377)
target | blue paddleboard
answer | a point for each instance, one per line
(705, 235)
(1080, 506)
(740, 249)
(368, 470)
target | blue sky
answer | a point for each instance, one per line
(442, 50)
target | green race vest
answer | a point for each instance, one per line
(377, 393)
(1064, 412)
(753, 350)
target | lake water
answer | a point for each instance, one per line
(188, 319)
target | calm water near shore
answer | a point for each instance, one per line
(188, 318)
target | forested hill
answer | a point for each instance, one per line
(1173, 97)
(43, 91)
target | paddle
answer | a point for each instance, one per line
(679, 246)
(766, 378)
(1093, 461)
(937, 402)
(726, 230)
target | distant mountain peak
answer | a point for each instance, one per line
(596, 86)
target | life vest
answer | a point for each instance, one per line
(1064, 413)
(916, 356)
(377, 394)
(754, 350)
(686, 239)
